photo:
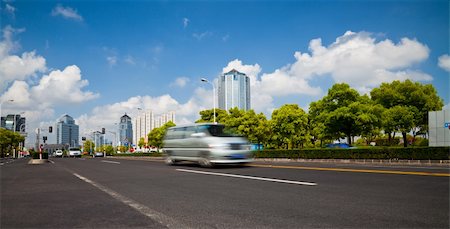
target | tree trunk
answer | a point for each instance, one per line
(405, 141)
(389, 138)
(349, 137)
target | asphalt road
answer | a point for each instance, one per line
(117, 193)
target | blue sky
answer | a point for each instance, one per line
(96, 60)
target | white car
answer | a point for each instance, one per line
(74, 152)
(58, 153)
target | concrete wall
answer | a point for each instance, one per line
(439, 135)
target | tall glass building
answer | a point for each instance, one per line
(125, 130)
(234, 91)
(67, 132)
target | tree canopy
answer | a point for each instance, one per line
(342, 112)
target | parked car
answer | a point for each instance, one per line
(339, 145)
(98, 154)
(74, 152)
(58, 153)
(206, 144)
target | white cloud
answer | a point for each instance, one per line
(180, 82)
(37, 98)
(201, 36)
(15, 67)
(185, 22)
(130, 60)
(354, 58)
(107, 115)
(63, 87)
(10, 9)
(361, 61)
(66, 12)
(112, 60)
(444, 62)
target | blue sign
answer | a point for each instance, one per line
(447, 124)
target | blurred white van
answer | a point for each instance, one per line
(206, 144)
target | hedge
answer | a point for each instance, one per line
(137, 154)
(412, 153)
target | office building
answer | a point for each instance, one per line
(13, 122)
(99, 139)
(67, 132)
(146, 122)
(234, 91)
(125, 131)
(439, 128)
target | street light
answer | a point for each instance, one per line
(214, 97)
(9, 100)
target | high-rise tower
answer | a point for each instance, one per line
(234, 91)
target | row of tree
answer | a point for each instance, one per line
(342, 113)
(9, 140)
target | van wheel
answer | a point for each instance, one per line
(170, 161)
(204, 161)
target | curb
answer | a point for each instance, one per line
(361, 161)
(37, 161)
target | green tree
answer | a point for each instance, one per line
(207, 116)
(9, 140)
(316, 123)
(339, 111)
(289, 125)
(423, 98)
(400, 118)
(155, 137)
(88, 146)
(141, 142)
(369, 118)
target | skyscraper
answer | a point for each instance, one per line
(67, 132)
(13, 122)
(234, 91)
(146, 122)
(125, 130)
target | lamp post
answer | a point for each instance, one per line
(9, 100)
(214, 97)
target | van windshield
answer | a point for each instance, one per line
(74, 149)
(218, 131)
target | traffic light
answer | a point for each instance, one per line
(103, 130)
(50, 129)
(44, 138)
(83, 138)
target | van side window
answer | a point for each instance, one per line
(188, 131)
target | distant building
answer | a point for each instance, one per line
(439, 130)
(234, 91)
(99, 139)
(67, 132)
(125, 130)
(146, 122)
(13, 122)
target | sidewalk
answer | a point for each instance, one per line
(441, 163)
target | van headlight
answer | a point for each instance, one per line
(218, 146)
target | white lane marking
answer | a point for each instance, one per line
(150, 213)
(112, 162)
(249, 177)
(51, 161)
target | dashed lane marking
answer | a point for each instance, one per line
(249, 177)
(148, 212)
